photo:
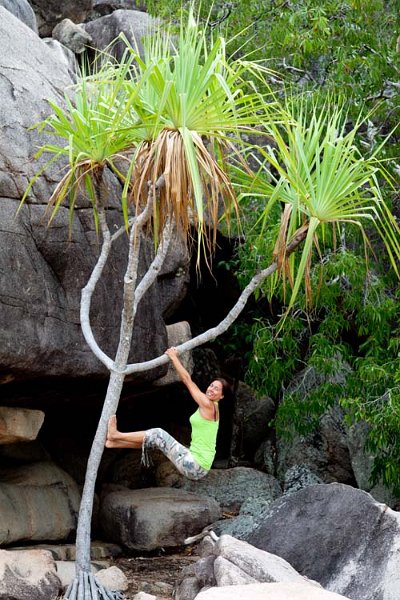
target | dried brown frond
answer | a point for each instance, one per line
(166, 157)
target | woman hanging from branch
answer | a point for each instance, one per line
(193, 462)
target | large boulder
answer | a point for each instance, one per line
(133, 24)
(28, 575)
(23, 11)
(155, 517)
(37, 502)
(339, 536)
(45, 268)
(229, 487)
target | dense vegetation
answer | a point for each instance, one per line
(343, 52)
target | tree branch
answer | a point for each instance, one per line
(88, 290)
(155, 267)
(87, 293)
(233, 314)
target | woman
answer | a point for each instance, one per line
(194, 462)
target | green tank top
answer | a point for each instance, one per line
(204, 436)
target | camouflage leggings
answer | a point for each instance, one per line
(180, 456)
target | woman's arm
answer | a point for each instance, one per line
(185, 377)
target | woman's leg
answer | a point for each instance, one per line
(179, 455)
(117, 439)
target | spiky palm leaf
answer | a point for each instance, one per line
(193, 108)
(323, 180)
(91, 129)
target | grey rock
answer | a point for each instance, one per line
(265, 457)
(23, 11)
(256, 418)
(254, 505)
(159, 588)
(204, 571)
(206, 547)
(298, 477)
(239, 527)
(72, 36)
(127, 469)
(338, 536)
(31, 75)
(144, 596)
(155, 517)
(51, 12)
(188, 589)
(64, 56)
(227, 573)
(259, 565)
(37, 502)
(65, 554)
(22, 453)
(230, 487)
(133, 24)
(177, 334)
(46, 267)
(66, 570)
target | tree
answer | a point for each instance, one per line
(176, 115)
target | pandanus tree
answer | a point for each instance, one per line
(164, 124)
(176, 116)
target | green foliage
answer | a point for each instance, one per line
(342, 47)
(349, 345)
(317, 172)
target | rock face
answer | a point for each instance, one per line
(28, 575)
(37, 502)
(23, 11)
(45, 268)
(153, 518)
(338, 536)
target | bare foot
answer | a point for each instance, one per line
(111, 431)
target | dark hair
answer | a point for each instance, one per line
(226, 386)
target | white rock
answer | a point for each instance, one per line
(112, 579)
(262, 566)
(226, 573)
(269, 591)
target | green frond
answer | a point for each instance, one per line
(318, 170)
